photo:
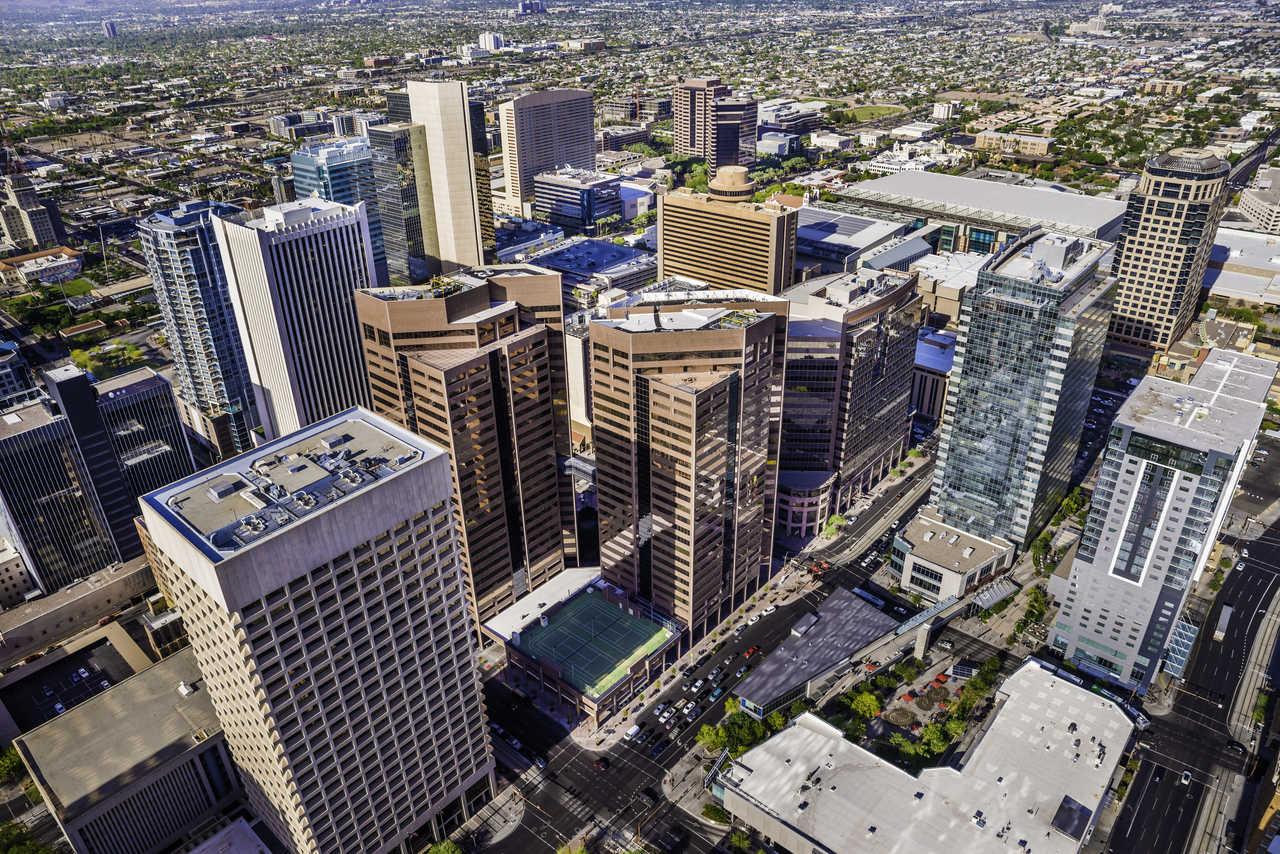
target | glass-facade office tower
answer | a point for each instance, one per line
(1171, 466)
(342, 171)
(1031, 336)
(1169, 224)
(199, 323)
(398, 151)
(73, 465)
(292, 271)
(318, 578)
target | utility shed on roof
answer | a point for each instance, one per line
(1032, 783)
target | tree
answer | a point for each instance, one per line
(732, 706)
(740, 840)
(712, 738)
(933, 739)
(17, 839)
(11, 768)
(446, 847)
(775, 721)
(864, 704)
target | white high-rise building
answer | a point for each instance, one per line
(445, 172)
(318, 577)
(292, 270)
(1176, 454)
(492, 41)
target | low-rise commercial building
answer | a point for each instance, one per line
(1036, 779)
(1020, 144)
(131, 770)
(1245, 266)
(979, 214)
(829, 241)
(577, 199)
(1261, 202)
(580, 647)
(46, 267)
(938, 561)
(821, 644)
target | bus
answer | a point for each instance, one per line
(1223, 618)
(868, 596)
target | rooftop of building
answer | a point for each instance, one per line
(819, 227)
(818, 641)
(23, 418)
(1048, 258)
(288, 215)
(12, 620)
(685, 320)
(1219, 410)
(1244, 265)
(586, 256)
(838, 295)
(336, 150)
(244, 500)
(575, 623)
(1196, 162)
(955, 269)
(571, 176)
(677, 290)
(1266, 185)
(96, 748)
(935, 350)
(46, 256)
(935, 542)
(1032, 782)
(240, 837)
(458, 281)
(1018, 207)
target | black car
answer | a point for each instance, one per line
(674, 839)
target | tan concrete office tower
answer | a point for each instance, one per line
(291, 271)
(1165, 241)
(450, 200)
(541, 132)
(318, 578)
(726, 240)
(475, 363)
(687, 388)
(710, 122)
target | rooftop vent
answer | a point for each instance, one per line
(186, 689)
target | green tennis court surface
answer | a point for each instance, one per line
(593, 642)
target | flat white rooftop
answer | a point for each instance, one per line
(1219, 410)
(535, 603)
(247, 499)
(953, 195)
(1031, 784)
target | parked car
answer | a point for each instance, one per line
(750, 652)
(1186, 778)
(601, 763)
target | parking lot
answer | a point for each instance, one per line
(63, 684)
(1260, 483)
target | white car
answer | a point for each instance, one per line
(1244, 553)
(767, 611)
(1240, 566)
(665, 716)
(755, 618)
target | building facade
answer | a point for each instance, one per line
(1261, 202)
(318, 578)
(1164, 246)
(577, 199)
(1173, 462)
(453, 230)
(687, 388)
(725, 239)
(292, 270)
(710, 122)
(474, 375)
(199, 323)
(27, 222)
(73, 465)
(846, 416)
(543, 131)
(342, 171)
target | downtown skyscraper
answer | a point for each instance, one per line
(292, 271)
(318, 578)
(199, 323)
(541, 132)
(342, 171)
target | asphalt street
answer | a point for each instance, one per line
(573, 792)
